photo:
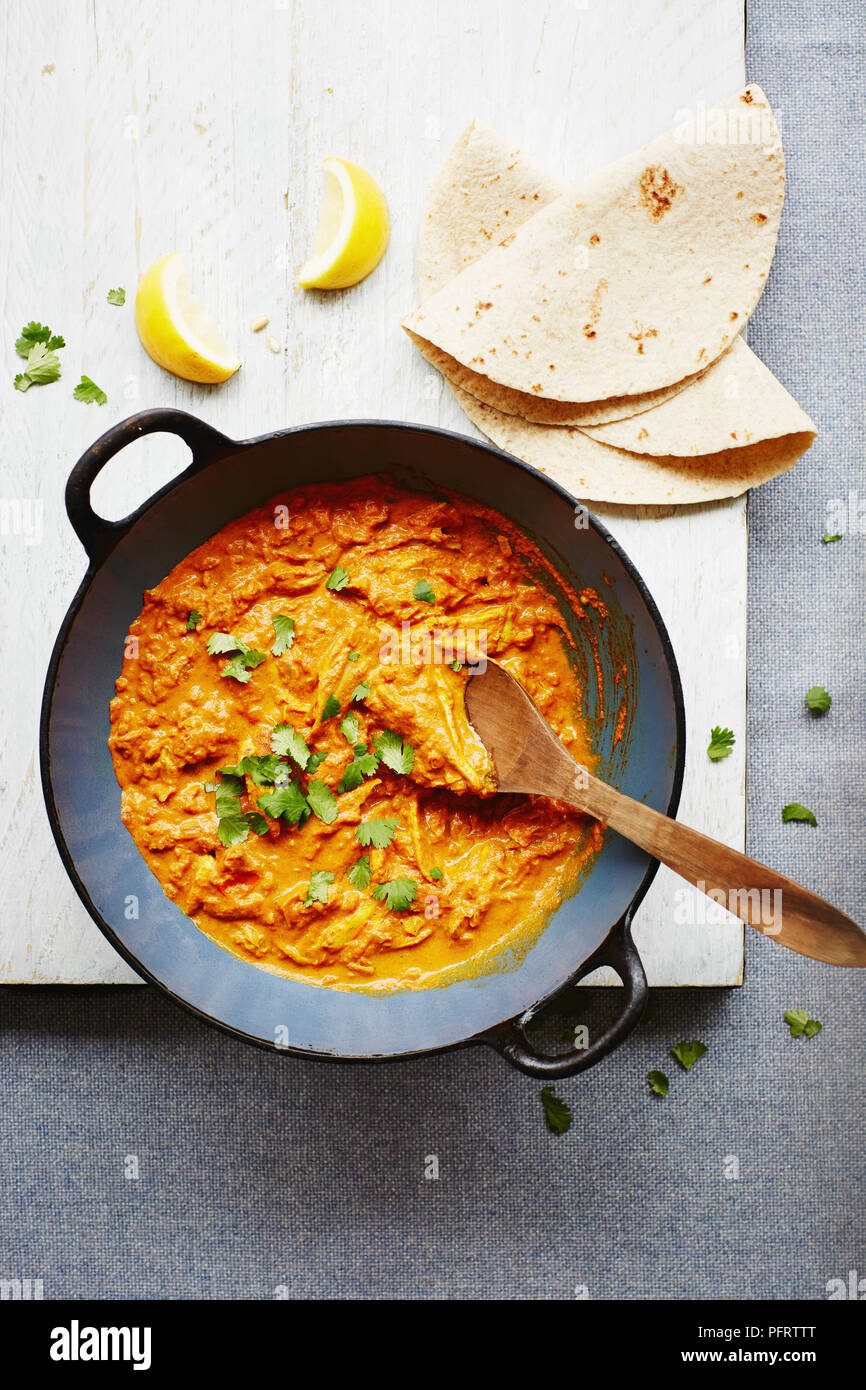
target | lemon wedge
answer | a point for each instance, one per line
(175, 330)
(353, 229)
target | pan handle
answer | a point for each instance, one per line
(618, 951)
(97, 535)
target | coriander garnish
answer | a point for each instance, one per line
(88, 392)
(378, 832)
(323, 803)
(687, 1053)
(423, 592)
(394, 753)
(349, 728)
(721, 743)
(360, 873)
(284, 634)
(818, 700)
(243, 662)
(33, 333)
(556, 1112)
(398, 893)
(363, 765)
(286, 803)
(800, 1024)
(42, 368)
(288, 743)
(320, 883)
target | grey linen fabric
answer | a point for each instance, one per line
(260, 1175)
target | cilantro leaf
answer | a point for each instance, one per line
(43, 366)
(330, 708)
(320, 883)
(89, 392)
(237, 771)
(349, 728)
(817, 699)
(256, 822)
(398, 893)
(284, 634)
(117, 296)
(658, 1082)
(263, 771)
(354, 656)
(360, 873)
(286, 803)
(801, 1024)
(436, 874)
(33, 333)
(456, 665)
(337, 579)
(687, 1053)
(242, 665)
(377, 833)
(220, 642)
(315, 760)
(233, 824)
(228, 795)
(287, 742)
(794, 811)
(396, 754)
(363, 765)
(193, 618)
(361, 691)
(322, 801)
(556, 1112)
(423, 592)
(721, 743)
(829, 539)
(232, 830)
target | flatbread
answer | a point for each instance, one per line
(601, 473)
(674, 430)
(638, 277)
(541, 412)
(484, 190)
(737, 402)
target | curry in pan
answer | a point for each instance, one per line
(291, 741)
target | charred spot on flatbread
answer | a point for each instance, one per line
(595, 306)
(657, 191)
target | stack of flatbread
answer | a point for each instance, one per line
(594, 331)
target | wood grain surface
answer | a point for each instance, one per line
(130, 130)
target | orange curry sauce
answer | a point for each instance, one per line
(351, 566)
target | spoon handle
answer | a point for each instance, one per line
(766, 900)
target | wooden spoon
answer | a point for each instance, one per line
(529, 758)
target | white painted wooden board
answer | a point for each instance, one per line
(129, 130)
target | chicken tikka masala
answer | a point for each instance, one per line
(290, 736)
